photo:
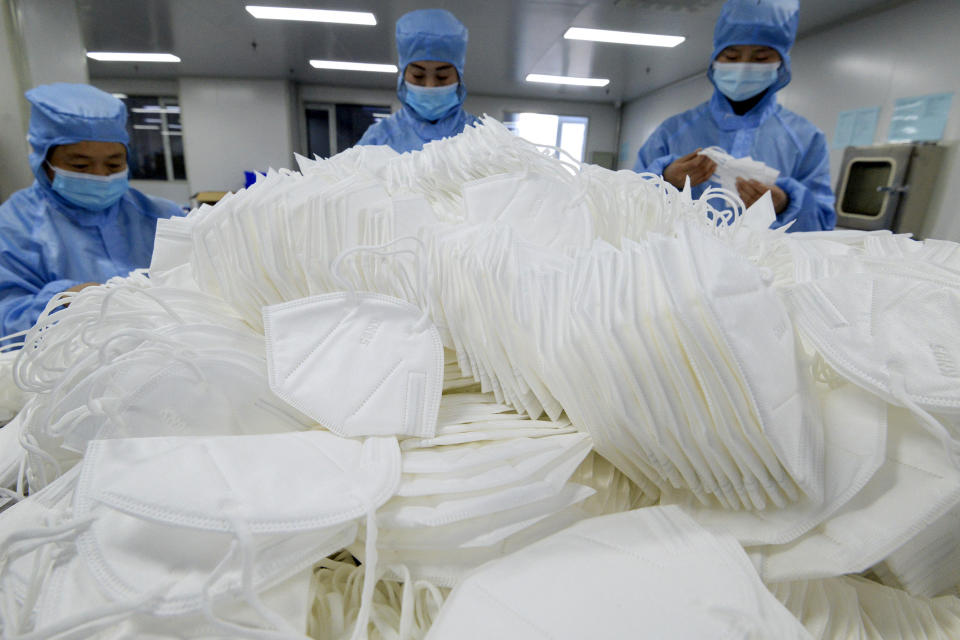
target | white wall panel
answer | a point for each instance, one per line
(232, 126)
(176, 190)
(51, 41)
(14, 112)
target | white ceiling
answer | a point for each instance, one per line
(508, 39)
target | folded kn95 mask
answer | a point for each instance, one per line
(360, 364)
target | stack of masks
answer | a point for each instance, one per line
(419, 358)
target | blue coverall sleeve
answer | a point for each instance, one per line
(22, 298)
(655, 156)
(372, 135)
(811, 197)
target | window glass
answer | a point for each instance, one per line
(318, 133)
(350, 121)
(156, 138)
(567, 132)
(353, 120)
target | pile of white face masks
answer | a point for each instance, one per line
(487, 483)
(131, 360)
(921, 572)
(12, 398)
(400, 609)
(730, 168)
(853, 607)
(188, 536)
(691, 407)
(490, 314)
(651, 571)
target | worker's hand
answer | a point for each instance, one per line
(76, 289)
(81, 287)
(751, 190)
(698, 167)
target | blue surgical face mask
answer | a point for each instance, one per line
(90, 191)
(431, 103)
(742, 80)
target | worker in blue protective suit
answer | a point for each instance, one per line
(80, 223)
(432, 49)
(750, 64)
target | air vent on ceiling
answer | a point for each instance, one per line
(669, 5)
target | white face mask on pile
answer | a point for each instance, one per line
(855, 428)
(543, 210)
(172, 249)
(460, 504)
(915, 486)
(699, 405)
(153, 543)
(215, 395)
(652, 572)
(730, 168)
(102, 352)
(360, 364)
(929, 563)
(897, 336)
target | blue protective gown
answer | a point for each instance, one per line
(768, 132)
(407, 131)
(425, 34)
(48, 245)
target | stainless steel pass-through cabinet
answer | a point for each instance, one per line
(887, 186)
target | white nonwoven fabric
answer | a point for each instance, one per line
(929, 563)
(855, 427)
(651, 572)
(730, 168)
(360, 364)
(915, 486)
(857, 608)
(168, 527)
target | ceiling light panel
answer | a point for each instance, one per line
(338, 65)
(623, 37)
(580, 82)
(116, 56)
(311, 15)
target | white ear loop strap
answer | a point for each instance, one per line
(15, 340)
(381, 251)
(730, 216)
(104, 307)
(370, 577)
(243, 543)
(573, 163)
(26, 541)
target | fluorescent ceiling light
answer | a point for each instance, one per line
(353, 66)
(112, 56)
(622, 37)
(156, 109)
(148, 127)
(580, 82)
(311, 15)
(119, 96)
